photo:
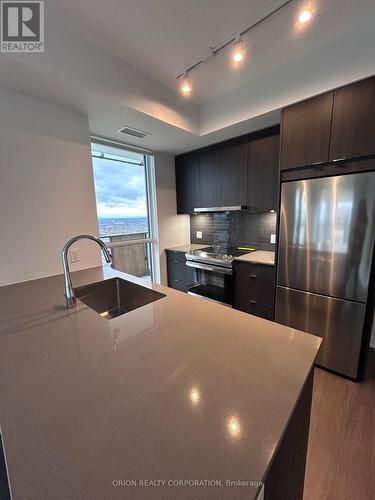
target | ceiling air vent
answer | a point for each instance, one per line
(134, 132)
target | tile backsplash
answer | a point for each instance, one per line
(234, 229)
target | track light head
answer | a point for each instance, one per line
(238, 50)
(186, 87)
(305, 16)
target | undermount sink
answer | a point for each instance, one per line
(114, 297)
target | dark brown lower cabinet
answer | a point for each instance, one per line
(254, 286)
(182, 286)
(286, 477)
(179, 275)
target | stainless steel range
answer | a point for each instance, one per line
(212, 272)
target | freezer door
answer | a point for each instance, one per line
(339, 322)
(327, 231)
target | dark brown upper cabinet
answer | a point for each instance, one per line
(210, 179)
(306, 128)
(234, 175)
(187, 183)
(218, 176)
(263, 173)
(353, 125)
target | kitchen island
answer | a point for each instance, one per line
(179, 399)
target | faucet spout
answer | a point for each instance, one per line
(69, 293)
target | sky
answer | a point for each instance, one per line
(120, 189)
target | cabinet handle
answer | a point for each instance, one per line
(253, 276)
(339, 159)
(252, 301)
(317, 163)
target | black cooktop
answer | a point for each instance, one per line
(225, 250)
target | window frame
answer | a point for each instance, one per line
(150, 178)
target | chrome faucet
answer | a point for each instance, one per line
(70, 296)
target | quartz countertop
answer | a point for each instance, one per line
(188, 247)
(259, 257)
(179, 389)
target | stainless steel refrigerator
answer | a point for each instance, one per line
(326, 245)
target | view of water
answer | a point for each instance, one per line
(118, 226)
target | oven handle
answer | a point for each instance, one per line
(205, 267)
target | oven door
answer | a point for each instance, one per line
(211, 282)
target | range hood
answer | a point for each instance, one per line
(220, 209)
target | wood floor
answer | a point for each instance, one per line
(341, 452)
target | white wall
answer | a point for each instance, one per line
(46, 188)
(173, 229)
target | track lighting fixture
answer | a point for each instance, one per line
(238, 53)
(238, 50)
(186, 85)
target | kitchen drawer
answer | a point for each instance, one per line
(251, 306)
(254, 286)
(177, 270)
(179, 275)
(255, 281)
(247, 284)
(250, 268)
(256, 308)
(247, 305)
(175, 255)
(182, 286)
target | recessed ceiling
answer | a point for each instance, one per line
(162, 37)
(117, 62)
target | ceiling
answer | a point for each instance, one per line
(162, 37)
(117, 61)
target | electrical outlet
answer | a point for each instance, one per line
(199, 234)
(74, 255)
(273, 238)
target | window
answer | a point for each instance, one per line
(124, 188)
